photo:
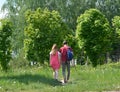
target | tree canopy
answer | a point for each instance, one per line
(68, 10)
(93, 33)
(44, 28)
(5, 43)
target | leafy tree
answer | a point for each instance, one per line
(15, 12)
(44, 28)
(116, 25)
(116, 38)
(5, 43)
(68, 9)
(93, 34)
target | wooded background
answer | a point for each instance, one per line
(61, 17)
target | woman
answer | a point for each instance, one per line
(55, 61)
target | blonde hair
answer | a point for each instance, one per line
(54, 48)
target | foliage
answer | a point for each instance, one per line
(93, 34)
(15, 12)
(44, 28)
(116, 38)
(109, 8)
(116, 25)
(19, 62)
(68, 9)
(5, 43)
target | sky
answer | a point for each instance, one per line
(1, 3)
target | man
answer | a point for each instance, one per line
(65, 62)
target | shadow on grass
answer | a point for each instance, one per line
(28, 78)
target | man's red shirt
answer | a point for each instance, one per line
(63, 51)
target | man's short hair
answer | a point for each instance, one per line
(64, 42)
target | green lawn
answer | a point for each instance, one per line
(83, 78)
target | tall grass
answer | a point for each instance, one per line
(83, 78)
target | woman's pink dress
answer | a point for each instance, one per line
(54, 61)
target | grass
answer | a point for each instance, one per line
(83, 78)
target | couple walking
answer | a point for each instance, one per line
(59, 58)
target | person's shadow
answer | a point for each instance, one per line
(28, 78)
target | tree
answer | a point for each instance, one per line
(5, 43)
(44, 28)
(15, 12)
(68, 9)
(109, 8)
(116, 38)
(116, 25)
(93, 34)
